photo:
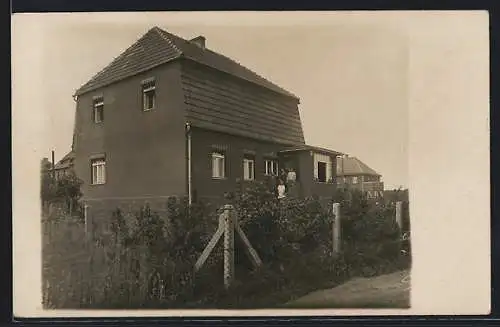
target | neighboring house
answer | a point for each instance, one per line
(171, 117)
(64, 166)
(355, 174)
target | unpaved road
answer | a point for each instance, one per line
(386, 291)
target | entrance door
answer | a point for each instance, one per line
(321, 171)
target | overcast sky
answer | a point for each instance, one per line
(351, 78)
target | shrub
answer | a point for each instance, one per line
(149, 260)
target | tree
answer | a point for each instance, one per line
(66, 189)
(48, 186)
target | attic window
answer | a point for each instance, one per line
(98, 110)
(148, 95)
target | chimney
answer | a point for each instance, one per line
(199, 41)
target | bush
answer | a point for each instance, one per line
(149, 260)
(63, 192)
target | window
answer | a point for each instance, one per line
(271, 167)
(355, 179)
(98, 111)
(148, 95)
(322, 168)
(218, 165)
(98, 172)
(248, 169)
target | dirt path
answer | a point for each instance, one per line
(386, 291)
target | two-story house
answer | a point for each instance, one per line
(169, 117)
(354, 174)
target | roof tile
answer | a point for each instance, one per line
(157, 47)
(349, 166)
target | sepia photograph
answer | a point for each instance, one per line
(200, 165)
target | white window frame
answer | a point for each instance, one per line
(98, 105)
(248, 169)
(148, 87)
(98, 171)
(274, 167)
(355, 179)
(218, 172)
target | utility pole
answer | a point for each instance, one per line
(53, 165)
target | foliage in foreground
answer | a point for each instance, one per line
(147, 260)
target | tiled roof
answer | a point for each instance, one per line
(66, 161)
(157, 47)
(348, 166)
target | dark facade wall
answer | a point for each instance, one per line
(218, 101)
(145, 151)
(204, 142)
(303, 165)
(306, 178)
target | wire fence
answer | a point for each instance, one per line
(84, 267)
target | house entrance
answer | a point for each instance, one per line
(321, 171)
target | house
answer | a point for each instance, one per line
(61, 168)
(65, 165)
(354, 174)
(170, 117)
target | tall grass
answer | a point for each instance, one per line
(142, 260)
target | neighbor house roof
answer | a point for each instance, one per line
(158, 47)
(66, 161)
(349, 166)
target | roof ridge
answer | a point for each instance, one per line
(115, 59)
(162, 33)
(357, 162)
(131, 61)
(368, 168)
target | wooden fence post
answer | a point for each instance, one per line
(399, 215)
(229, 219)
(336, 228)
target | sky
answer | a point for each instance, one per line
(352, 79)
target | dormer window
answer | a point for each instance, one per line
(148, 95)
(98, 110)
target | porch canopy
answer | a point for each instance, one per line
(311, 148)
